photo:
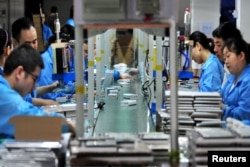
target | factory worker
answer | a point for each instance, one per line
(47, 32)
(220, 34)
(46, 75)
(212, 71)
(23, 31)
(21, 71)
(5, 43)
(236, 91)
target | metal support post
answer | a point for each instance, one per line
(91, 64)
(79, 86)
(173, 87)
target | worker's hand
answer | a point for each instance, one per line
(47, 102)
(43, 102)
(126, 76)
(221, 105)
(133, 71)
(53, 85)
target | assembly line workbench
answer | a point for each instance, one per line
(117, 118)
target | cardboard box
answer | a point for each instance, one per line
(38, 25)
(123, 50)
(125, 54)
(38, 128)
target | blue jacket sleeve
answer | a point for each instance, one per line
(237, 101)
(240, 109)
(15, 105)
(47, 33)
(116, 75)
(31, 95)
(246, 122)
(28, 98)
(212, 76)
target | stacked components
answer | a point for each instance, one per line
(202, 140)
(195, 109)
(119, 149)
(32, 154)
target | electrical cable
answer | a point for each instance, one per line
(186, 64)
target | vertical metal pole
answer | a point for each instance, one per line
(141, 55)
(135, 38)
(173, 87)
(91, 80)
(151, 64)
(158, 69)
(79, 86)
(102, 52)
(108, 44)
(99, 70)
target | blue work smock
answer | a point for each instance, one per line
(30, 96)
(45, 77)
(47, 33)
(211, 76)
(12, 104)
(236, 99)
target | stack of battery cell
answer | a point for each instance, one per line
(195, 109)
(207, 109)
(185, 109)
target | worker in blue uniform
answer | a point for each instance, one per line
(220, 34)
(47, 32)
(21, 71)
(116, 74)
(212, 71)
(236, 91)
(23, 31)
(46, 74)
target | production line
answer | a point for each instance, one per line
(154, 116)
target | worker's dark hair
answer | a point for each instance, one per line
(53, 9)
(238, 45)
(207, 43)
(67, 32)
(227, 30)
(5, 41)
(24, 55)
(20, 24)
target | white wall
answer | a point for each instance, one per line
(205, 15)
(243, 21)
